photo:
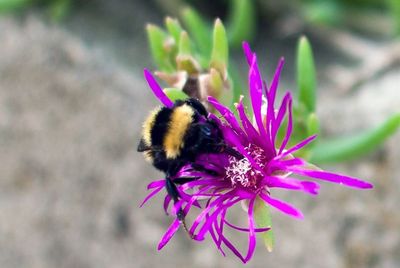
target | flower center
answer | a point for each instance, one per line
(241, 172)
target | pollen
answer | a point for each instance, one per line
(241, 172)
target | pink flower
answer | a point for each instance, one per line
(267, 165)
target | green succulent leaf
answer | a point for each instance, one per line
(216, 83)
(198, 29)
(175, 94)
(185, 61)
(220, 50)
(347, 147)
(185, 47)
(173, 28)
(306, 79)
(157, 38)
(263, 219)
(10, 5)
(312, 124)
(188, 64)
(241, 22)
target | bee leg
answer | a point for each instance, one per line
(173, 192)
(171, 189)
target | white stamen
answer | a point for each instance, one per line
(242, 172)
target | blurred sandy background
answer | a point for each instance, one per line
(72, 99)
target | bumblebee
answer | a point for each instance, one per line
(176, 136)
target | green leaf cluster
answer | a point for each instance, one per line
(208, 48)
(200, 51)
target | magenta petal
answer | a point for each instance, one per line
(247, 52)
(275, 82)
(332, 177)
(289, 162)
(311, 187)
(216, 234)
(177, 206)
(157, 90)
(227, 114)
(216, 240)
(255, 85)
(169, 234)
(167, 201)
(252, 133)
(257, 230)
(223, 239)
(174, 226)
(156, 184)
(281, 164)
(293, 184)
(282, 206)
(212, 218)
(149, 196)
(252, 234)
(220, 228)
(297, 147)
(205, 212)
(202, 182)
(279, 117)
(271, 101)
(289, 128)
(294, 162)
(251, 59)
(232, 248)
(254, 73)
(230, 136)
(184, 196)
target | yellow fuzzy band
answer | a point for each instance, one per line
(148, 126)
(180, 121)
